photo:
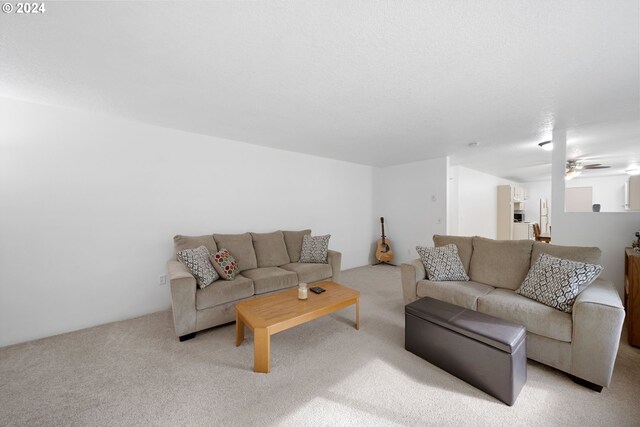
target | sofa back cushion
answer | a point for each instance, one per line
(270, 248)
(500, 263)
(588, 255)
(293, 241)
(464, 244)
(180, 243)
(241, 248)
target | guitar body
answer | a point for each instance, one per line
(383, 251)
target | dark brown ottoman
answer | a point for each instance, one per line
(486, 352)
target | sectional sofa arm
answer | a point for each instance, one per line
(600, 292)
(598, 316)
(183, 297)
(411, 272)
(334, 258)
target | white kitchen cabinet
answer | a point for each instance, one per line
(519, 194)
(510, 198)
(523, 231)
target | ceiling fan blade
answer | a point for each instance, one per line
(573, 166)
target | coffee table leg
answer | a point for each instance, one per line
(358, 313)
(261, 350)
(239, 330)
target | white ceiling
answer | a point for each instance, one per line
(371, 82)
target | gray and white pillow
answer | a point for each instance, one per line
(557, 282)
(315, 248)
(198, 262)
(442, 263)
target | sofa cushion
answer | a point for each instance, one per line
(224, 291)
(314, 248)
(270, 249)
(442, 263)
(293, 240)
(309, 272)
(464, 244)
(464, 293)
(557, 282)
(268, 279)
(181, 243)
(241, 247)
(537, 318)
(500, 263)
(198, 262)
(225, 264)
(589, 255)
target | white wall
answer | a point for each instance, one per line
(453, 202)
(475, 197)
(413, 200)
(608, 191)
(610, 231)
(536, 190)
(89, 205)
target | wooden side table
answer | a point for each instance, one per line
(632, 295)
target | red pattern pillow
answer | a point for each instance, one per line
(225, 264)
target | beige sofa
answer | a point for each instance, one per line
(268, 262)
(583, 343)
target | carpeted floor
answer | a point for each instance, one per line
(136, 372)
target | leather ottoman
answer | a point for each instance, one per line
(486, 352)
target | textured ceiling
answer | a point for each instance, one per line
(372, 82)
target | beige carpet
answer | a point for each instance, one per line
(136, 372)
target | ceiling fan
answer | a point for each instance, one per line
(575, 168)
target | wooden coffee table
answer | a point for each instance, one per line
(271, 314)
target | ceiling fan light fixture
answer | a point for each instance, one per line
(546, 146)
(571, 174)
(633, 171)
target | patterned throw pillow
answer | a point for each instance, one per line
(442, 263)
(198, 263)
(225, 264)
(557, 282)
(314, 249)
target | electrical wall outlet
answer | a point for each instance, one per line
(163, 280)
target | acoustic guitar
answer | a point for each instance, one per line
(384, 252)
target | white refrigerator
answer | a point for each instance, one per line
(544, 216)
